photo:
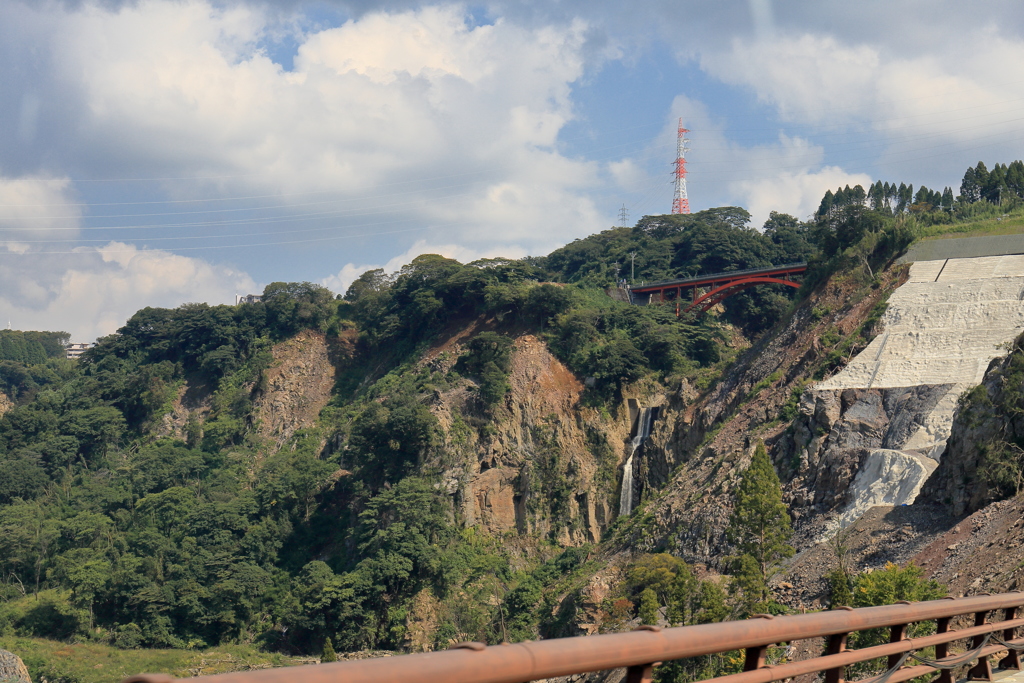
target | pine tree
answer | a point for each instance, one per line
(683, 598)
(328, 654)
(826, 204)
(947, 199)
(649, 607)
(839, 591)
(969, 189)
(1015, 178)
(760, 529)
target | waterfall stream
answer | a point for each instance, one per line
(643, 430)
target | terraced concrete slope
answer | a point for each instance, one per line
(942, 329)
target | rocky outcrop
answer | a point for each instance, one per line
(834, 438)
(297, 386)
(539, 472)
(12, 669)
(193, 403)
(5, 403)
(989, 426)
(543, 463)
(872, 433)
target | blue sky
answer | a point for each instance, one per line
(157, 152)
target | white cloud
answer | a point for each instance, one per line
(87, 291)
(963, 93)
(92, 291)
(394, 102)
(797, 194)
(37, 209)
(811, 78)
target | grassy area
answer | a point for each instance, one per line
(1007, 223)
(95, 663)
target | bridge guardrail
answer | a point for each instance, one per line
(639, 651)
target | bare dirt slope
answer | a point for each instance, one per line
(883, 534)
(983, 553)
(298, 386)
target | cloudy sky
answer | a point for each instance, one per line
(157, 152)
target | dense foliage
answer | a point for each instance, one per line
(32, 348)
(113, 529)
(116, 526)
(674, 246)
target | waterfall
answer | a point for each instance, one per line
(626, 496)
(642, 431)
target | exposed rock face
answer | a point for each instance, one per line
(421, 624)
(5, 403)
(942, 328)
(298, 386)
(542, 438)
(834, 437)
(192, 402)
(12, 669)
(957, 481)
(548, 466)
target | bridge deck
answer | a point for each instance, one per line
(701, 280)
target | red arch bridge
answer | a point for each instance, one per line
(698, 294)
(964, 632)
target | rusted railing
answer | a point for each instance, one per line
(639, 651)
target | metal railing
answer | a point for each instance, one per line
(641, 650)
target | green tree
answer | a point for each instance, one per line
(659, 573)
(760, 529)
(294, 306)
(885, 587)
(840, 578)
(489, 358)
(87, 572)
(518, 608)
(329, 654)
(839, 591)
(648, 612)
(894, 583)
(684, 599)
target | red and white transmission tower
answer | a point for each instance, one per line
(680, 202)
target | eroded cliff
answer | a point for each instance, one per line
(546, 465)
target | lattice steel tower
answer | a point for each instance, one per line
(680, 202)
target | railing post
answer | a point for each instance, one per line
(756, 657)
(641, 673)
(896, 634)
(836, 644)
(942, 650)
(982, 671)
(1012, 658)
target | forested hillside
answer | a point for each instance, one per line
(456, 482)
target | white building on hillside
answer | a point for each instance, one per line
(77, 349)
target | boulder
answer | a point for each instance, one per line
(12, 669)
